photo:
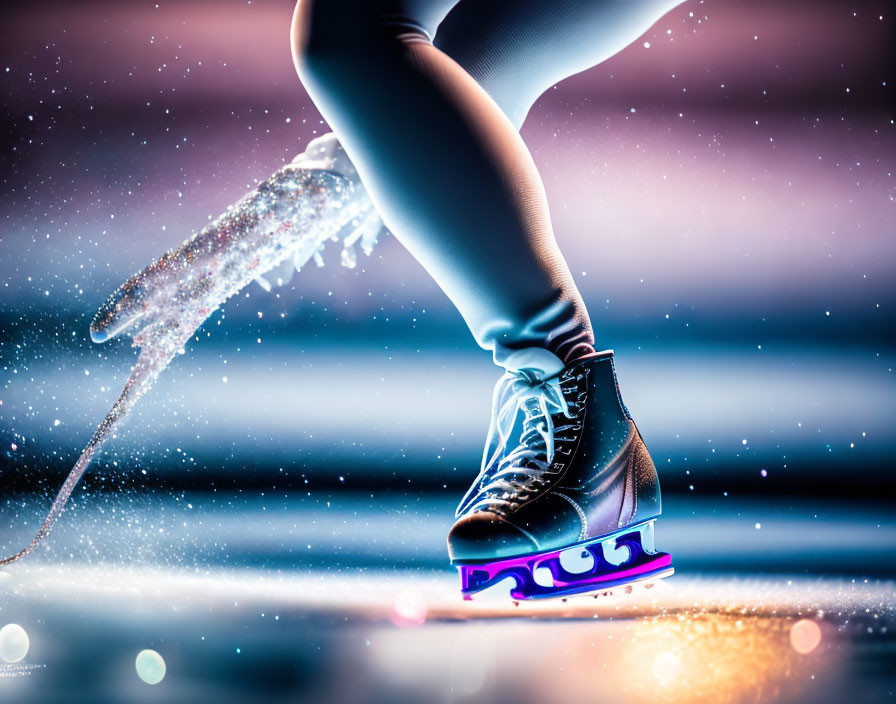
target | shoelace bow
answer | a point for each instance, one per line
(507, 477)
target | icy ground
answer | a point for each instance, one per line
(347, 598)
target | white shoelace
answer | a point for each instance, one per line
(505, 478)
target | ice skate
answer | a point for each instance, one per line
(565, 479)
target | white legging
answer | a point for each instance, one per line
(427, 97)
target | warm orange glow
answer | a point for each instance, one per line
(710, 657)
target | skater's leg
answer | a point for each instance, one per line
(452, 179)
(446, 169)
(584, 461)
(517, 49)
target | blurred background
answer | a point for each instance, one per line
(723, 189)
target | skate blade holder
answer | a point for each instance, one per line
(596, 566)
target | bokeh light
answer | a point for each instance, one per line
(410, 608)
(150, 666)
(805, 636)
(14, 643)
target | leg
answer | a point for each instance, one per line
(446, 169)
(578, 473)
(552, 39)
(453, 180)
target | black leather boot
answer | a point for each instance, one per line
(565, 468)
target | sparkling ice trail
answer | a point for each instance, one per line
(287, 219)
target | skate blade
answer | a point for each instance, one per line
(612, 562)
(605, 592)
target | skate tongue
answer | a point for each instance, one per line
(534, 362)
(537, 395)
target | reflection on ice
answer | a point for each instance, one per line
(353, 605)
